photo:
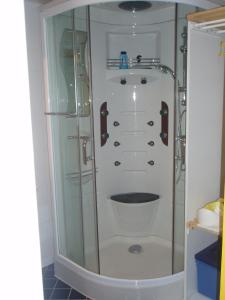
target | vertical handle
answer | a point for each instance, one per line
(86, 158)
(103, 123)
(164, 112)
(84, 151)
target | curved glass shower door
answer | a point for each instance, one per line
(69, 113)
(180, 139)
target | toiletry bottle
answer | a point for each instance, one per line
(123, 60)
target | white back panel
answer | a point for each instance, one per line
(204, 133)
(133, 105)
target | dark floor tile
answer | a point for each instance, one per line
(61, 285)
(60, 294)
(49, 274)
(47, 293)
(45, 268)
(50, 267)
(76, 295)
(49, 283)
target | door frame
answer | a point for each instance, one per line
(57, 255)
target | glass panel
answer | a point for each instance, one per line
(83, 88)
(180, 134)
(71, 134)
(65, 142)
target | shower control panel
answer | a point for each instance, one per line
(164, 112)
(103, 123)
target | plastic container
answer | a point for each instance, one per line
(208, 270)
(123, 60)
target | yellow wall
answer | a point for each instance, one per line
(222, 280)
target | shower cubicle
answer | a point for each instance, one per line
(117, 139)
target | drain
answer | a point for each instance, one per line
(135, 249)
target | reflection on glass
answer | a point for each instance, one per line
(67, 58)
(74, 48)
(180, 138)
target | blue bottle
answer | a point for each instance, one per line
(123, 60)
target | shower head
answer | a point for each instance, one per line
(135, 5)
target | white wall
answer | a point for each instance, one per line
(33, 30)
(205, 82)
(20, 249)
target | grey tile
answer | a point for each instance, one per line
(61, 285)
(47, 293)
(49, 283)
(76, 295)
(60, 294)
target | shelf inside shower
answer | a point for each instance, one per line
(146, 67)
(133, 63)
(132, 76)
(134, 198)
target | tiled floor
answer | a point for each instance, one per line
(57, 289)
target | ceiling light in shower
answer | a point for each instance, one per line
(135, 5)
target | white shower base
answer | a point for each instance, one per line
(153, 262)
(101, 287)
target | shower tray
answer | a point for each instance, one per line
(134, 198)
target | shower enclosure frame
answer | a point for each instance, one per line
(89, 283)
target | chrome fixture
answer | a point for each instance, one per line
(117, 163)
(116, 123)
(164, 69)
(140, 63)
(163, 135)
(104, 113)
(61, 114)
(105, 135)
(182, 101)
(151, 143)
(76, 175)
(116, 143)
(181, 157)
(143, 80)
(182, 91)
(150, 123)
(135, 249)
(139, 57)
(86, 158)
(133, 63)
(81, 137)
(123, 81)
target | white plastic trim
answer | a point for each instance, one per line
(58, 6)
